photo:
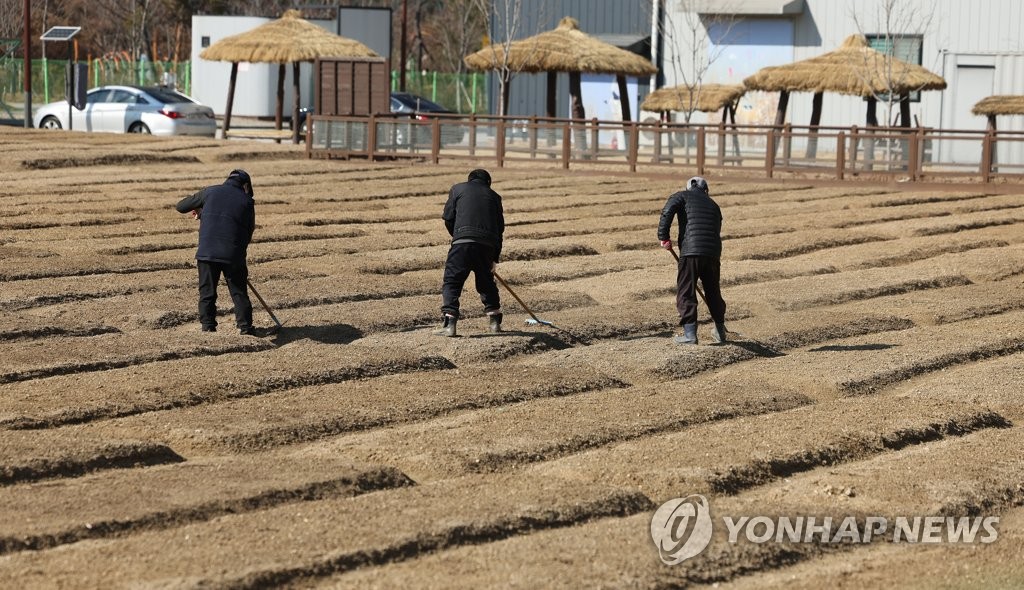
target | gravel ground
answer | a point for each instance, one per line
(874, 369)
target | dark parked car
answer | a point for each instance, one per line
(421, 109)
(415, 107)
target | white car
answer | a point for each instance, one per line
(131, 109)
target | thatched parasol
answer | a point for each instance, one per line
(1004, 104)
(707, 98)
(1000, 104)
(854, 68)
(564, 49)
(290, 39)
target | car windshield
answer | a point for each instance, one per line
(417, 103)
(167, 96)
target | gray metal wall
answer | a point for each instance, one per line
(955, 33)
(596, 17)
(956, 27)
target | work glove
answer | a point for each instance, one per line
(666, 244)
(494, 266)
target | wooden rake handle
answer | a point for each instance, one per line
(263, 303)
(516, 297)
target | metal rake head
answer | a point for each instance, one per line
(538, 322)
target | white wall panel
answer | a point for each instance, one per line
(952, 30)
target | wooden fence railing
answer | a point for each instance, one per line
(906, 153)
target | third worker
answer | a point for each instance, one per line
(700, 251)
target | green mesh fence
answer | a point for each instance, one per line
(462, 93)
(48, 76)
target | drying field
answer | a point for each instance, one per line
(876, 370)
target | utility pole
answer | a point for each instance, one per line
(27, 45)
(401, 53)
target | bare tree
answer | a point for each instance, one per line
(899, 25)
(460, 26)
(690, 50)
(12, 23)
(506, 17)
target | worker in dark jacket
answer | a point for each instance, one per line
(700, 251)
(476, 222)
(228, 218)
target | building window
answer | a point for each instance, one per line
(908, 48)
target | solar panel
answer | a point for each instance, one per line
(60, 33)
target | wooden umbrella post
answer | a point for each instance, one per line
(812, 141)
(231, 98)
(278, 110)
(623, 97)
(295, 102)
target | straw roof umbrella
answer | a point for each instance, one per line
(854, 68)
(999, 105)
(707, 98)
(1004, 104)
(289, 39)
(564, 49)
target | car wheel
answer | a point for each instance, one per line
(139, 128)
(50, 122)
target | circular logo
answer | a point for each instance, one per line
(681, 528)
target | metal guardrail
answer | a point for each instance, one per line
(911, 154)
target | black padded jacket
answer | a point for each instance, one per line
(227, 222)
(700, 223)
(473, 213)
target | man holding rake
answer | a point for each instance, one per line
(700, 251)
(228, 219)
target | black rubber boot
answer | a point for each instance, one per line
(719, 333)
(689, 335)
(494, 323)
(449, 326)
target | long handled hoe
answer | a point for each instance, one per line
(534, 320)
(264, 304)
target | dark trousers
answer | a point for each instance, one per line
(707, 269)
(462, 259)
(235, 275)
